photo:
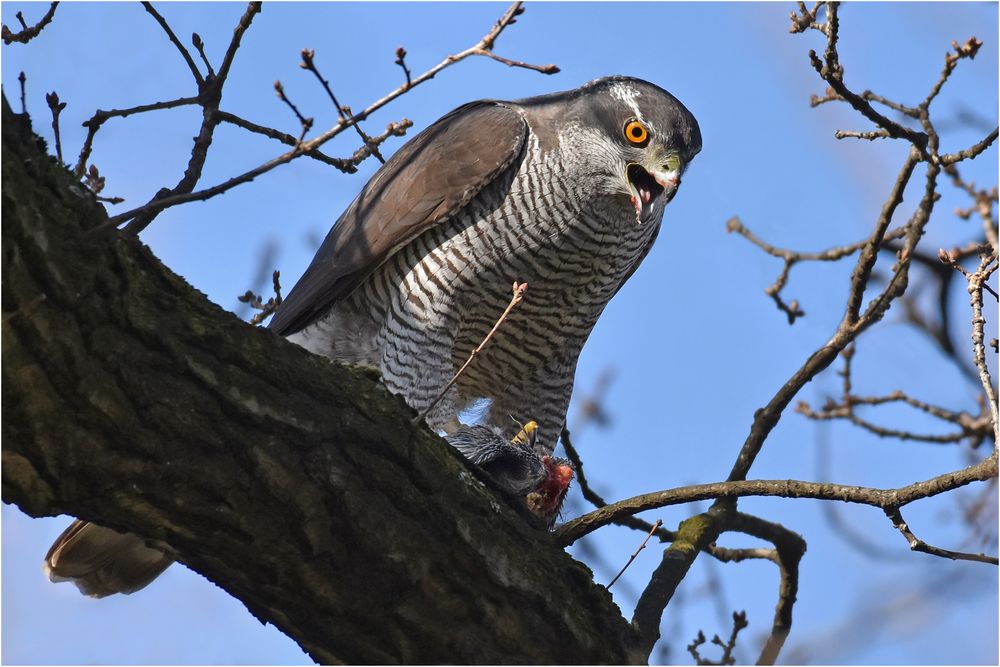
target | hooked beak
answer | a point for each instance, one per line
(646, 187)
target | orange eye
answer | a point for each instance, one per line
(636, 132)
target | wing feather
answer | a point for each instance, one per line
(430, 178)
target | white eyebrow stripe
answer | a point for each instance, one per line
(628, 95)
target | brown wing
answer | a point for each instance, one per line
(435, 174)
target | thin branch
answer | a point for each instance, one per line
(98, 119)
(875, 497)
(869, 254)
(257, 303)
(27, 34)
(199, 45)
(721, 554)
(309, 63)
(967, 50)
(790, 548)
(870, 136)
(519, 290)
(401, 61)
(22, 79)
(596, 500)
(739, 622)
(56, 107)
(831, 71)
(791, 257)
(634, 555)
(895, 106)
(306, 123)
(984, 200)
(160, 203)
(916, 544)
(971, 152)
(176, 42)
(253, 8)
(544, 69)
(341, 164)
(978, 344)
(952, 258)
(727, 555)
(974, 430)
(209, 98)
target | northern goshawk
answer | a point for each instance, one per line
(564, 192)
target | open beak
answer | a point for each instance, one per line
(647, 186)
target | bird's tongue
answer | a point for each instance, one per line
(646, 188)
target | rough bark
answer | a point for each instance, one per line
(296, 484)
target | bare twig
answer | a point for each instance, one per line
(870, 136)
(309, 63)
(634, 555)
(544, 69)
(976, 282)
(401, 61)
(967, 50)
(27, 34)
(972, 428)
(209, 98)
(952, 258)
(973, 151)
(722, 554)
(346, 166)
(199, 45)
(791, 258)
(785, 488)
(22, 79)
(916, 544)
(256, 302)
(806, 19)
(895, 106)
(519, 290)
(109, 200)
(984, 200)
(306, 123)
(829, 95)
(253, 8)
(93, 179)
(176, 42)
(166, 201)
(56, 107)
(830, 69)
(739, 622)
(100, 117)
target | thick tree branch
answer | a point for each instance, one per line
(296, 484)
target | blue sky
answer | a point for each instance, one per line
(695, 344)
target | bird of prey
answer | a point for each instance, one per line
(564, 191)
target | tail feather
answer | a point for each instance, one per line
(102, 561)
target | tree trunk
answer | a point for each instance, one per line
(297, 484)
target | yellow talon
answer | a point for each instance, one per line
(526, 436)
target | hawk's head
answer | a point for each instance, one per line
(626, 137)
